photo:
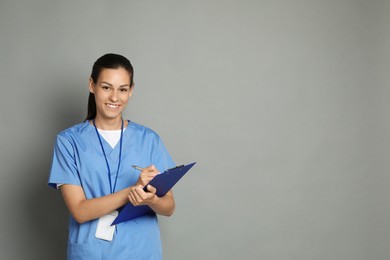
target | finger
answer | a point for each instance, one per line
(148, 169)
(132, 199)
(152, 168)
(134, 195)
(146, 196)
(137, 194)
(152, 175)
(145, 177)
(149, 174)
(151, 189)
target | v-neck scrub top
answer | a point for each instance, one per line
(78, 159)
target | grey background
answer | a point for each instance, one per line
(283, 104)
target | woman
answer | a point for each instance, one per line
(92, 168)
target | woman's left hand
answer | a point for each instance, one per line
(139, 197)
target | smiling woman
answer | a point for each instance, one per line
(109, 67)
(87, 167)
(112, 92)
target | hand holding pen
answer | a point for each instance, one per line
(147, 174)
(137, 195)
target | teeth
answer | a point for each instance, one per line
(112, 106)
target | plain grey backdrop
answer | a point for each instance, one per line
(283, 104)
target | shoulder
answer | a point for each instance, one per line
(143, 130)
(75, 131)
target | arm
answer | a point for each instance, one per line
(64, 167)
(161, 205)
(137, 196)
(83, 209)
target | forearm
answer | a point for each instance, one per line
(90, 209)
(84, 210)
(163, 205)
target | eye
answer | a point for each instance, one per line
(124, 90)
(106, 88)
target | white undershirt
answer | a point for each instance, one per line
(111, 136)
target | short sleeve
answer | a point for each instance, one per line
(64, 168)
(160, 156)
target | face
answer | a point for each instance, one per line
(112, 92)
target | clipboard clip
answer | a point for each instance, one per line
(179, 166)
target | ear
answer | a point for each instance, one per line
(131, 90)
(91, 86)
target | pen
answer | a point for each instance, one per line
(137, 167)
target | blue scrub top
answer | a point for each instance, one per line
(78, 159)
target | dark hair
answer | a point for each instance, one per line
(107, 61)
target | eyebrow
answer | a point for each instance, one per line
(121, 86)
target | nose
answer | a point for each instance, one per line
(114, 96)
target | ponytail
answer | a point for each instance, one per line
(91, 114)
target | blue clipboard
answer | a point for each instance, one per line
(163, 182)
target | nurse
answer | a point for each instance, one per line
(92, 168)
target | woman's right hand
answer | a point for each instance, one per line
(147, 175)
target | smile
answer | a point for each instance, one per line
(112, 105)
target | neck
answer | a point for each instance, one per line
(108, 124)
